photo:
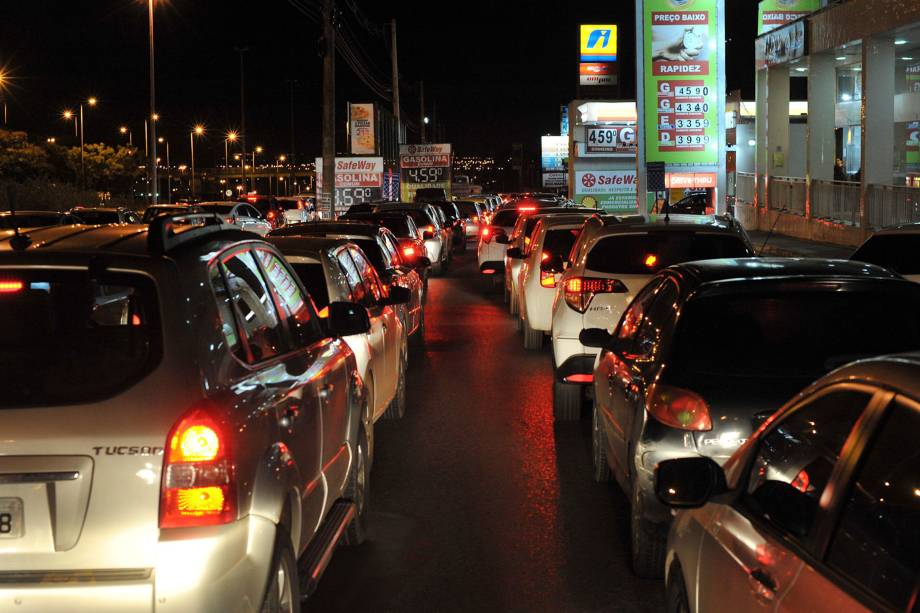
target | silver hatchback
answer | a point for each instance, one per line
(179, 427)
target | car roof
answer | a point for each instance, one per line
(562, 219)
(220, 203)
(356, 227)
(114, 238)
(306, 245)
(712, 271)
(102, 209)
(901, 372)
(30, 212)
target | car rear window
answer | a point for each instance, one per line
(66, 338)
(791, 332)
(560, 242)
(291, 205)
(397, 225)
(374, 255)
(506, 218)
(314, 279)
(647, 253)
(897, 253)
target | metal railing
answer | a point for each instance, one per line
(892, 205)
(744, 187)
(787, 193)
(836, 201)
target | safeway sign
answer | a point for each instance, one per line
(610, 190)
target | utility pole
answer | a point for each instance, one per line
(292, 158)
(395, 62)
(435, 129)
(329, 105)
(421, 119)
(153, 102)
(241, 51)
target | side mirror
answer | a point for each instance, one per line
(689, 483)
(422, 262)
(515, 253)
(427, 235)
(347, 318)
(595, 337)
(502, 239)
(397, 295)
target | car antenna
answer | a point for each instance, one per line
(19, 242)
(667, 209)
(770, 233)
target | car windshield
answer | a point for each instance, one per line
(637, 254)
(26, 220)
(506, 218)
(67, 339)
(89, 216)
(896, 252)
(790, 332)
(314, 279)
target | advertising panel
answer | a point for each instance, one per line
(610, 190)
(362, 129)
(555, 179)
(598, 43)
(681, 81)
(780, 46)
(424, 165)
(611, 139)
(597, 74)
(772, 14)
(554, 153)
(564, 120)
(357, 180)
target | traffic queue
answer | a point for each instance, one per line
(756, 412)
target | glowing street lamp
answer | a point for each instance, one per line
(231, 137)
(4, 81)
(162, 140)
(125, 130)
(196, 131)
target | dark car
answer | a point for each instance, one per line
(707, 351)
(103, 215)
(269, 208)
(30, 219)
(897, 249)
(430, 194)
(156, 210)
(694, 203)
(407, 234)
(454, 221)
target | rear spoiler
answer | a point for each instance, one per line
(167, 232)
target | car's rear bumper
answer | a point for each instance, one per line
(218, 568)
(492, 268)
(577, 368)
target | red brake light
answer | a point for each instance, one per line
(678, 408)
(429, 228)
(10, 286)
(651, 260)
(409, 251)
(486, 234)
(579, 291)
(547, 278)
(198, 487)
(527, 209)
(271, 215)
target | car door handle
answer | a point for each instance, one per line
(325, 391)
(762, 584)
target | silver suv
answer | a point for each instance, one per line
(179, 427)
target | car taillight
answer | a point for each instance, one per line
(547, 278)
(323, 313)
(429, 228)
(651, 260)
(527, 209)
(229, 220)
(678, 408)
(198, 486)
(409, 251)
(579, 291)
(475, 218)
(486, 234)
(10, 286)
(300, 204)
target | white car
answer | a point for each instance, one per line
(437, 239)
(493, 241)
(541, 267)
(297, 209)
(336, 270)
(896, 249)
(239, 214)
(612, 260)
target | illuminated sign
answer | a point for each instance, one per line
(361, 128)
(357, 180)
(775, 13)
(610, 190)
(690, 180)
(598, 43)
(554, 153)
(424, 165)
(611, 139)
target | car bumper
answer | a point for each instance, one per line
(218, 568)
(577, 368)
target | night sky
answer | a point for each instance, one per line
(497, 71)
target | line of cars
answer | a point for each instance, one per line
(189, 409)
(688, 349)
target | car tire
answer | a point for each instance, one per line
(397, 407)
(566, 401)
(677, 600)
(282, 591)
(598, 449)
(648, 542)
(418, 338)
(357, 491)
(533, 339)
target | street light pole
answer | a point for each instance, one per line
(191, 140)
(241, 51)
(153, 123)
(82, 157)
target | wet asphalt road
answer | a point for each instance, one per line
(478, 503)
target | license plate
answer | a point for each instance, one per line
(10, 518)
